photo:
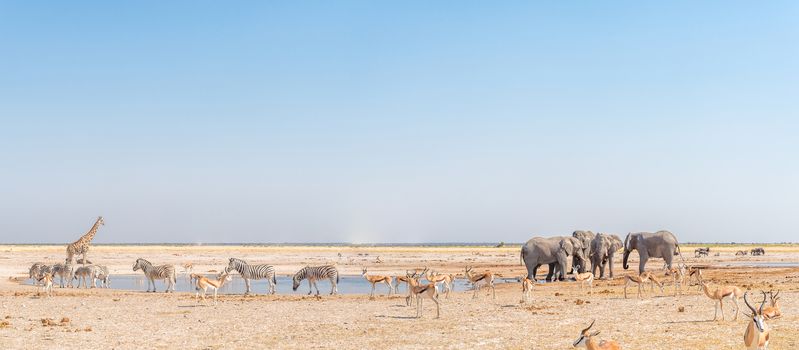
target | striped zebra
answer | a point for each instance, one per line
(84, 273)
(314, 273)
(252, 272)
(161, 272)
(35, 272)
(64, 271)
(100, 272)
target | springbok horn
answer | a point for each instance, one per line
(776, 295)
(589, 326)
(763, 303)
(747, 303)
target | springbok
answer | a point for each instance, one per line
(188, 269)
(480, 279)
(584, 278)
(756, 335)
(718, 296)
(418, 291)
(400, 279)
(640, 280)
(375, 279)
(527, 289)
(203, 283)
(773, 311)
(587, 340)
(46, 282)
(677, 276)
(444, 279)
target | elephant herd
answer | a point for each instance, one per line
(584, 248)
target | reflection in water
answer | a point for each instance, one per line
(346, 285)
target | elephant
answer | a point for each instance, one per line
(603, 248)
(585, 238)
(552, 251)
(661, 244)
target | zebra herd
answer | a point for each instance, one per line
(92, 273)
(65, 272)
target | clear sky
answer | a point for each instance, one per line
(372, 121)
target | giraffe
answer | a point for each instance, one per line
(81, 246)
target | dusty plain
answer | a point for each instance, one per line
(117, 319)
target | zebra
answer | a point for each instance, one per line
(84, 273)
(35, 272)
(161, 272)
(64, 271)
(100, 272)
(254, 272)
(314, 273)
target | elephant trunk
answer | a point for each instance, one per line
(624, 261)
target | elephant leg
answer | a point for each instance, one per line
(642, 263)
(550, 272)
(669, 259)
(534, 273)
(610, 266)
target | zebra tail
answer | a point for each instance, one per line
(337, 276)
(274, 278)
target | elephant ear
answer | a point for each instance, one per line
(629, 241)
(567, 246)
(615, 245)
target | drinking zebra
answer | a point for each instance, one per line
(64, 271)
(252, 272)
(314, 273)
(35, 272)
(84, 273)
(161, 272)
(100, 272)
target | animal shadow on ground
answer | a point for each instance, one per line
(397, 317)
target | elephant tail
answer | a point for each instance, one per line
(521, 257)
(680, 253)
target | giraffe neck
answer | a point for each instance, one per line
(93, 231)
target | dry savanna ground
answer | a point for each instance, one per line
(85, 319)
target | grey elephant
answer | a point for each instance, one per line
(585, 238)
(661, 244)
(603, 248)
(551, 251)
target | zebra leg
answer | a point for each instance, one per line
(316, 285)
(334, 288)
(247, 283)
(310, 287)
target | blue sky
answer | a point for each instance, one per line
(410, 122)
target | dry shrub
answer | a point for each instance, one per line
(87, 329)
(64, 320)
(48, 322)
(557, 294)
(5, 324)
(579, 301)
(605, 291)
(116, 299)
(681, 309)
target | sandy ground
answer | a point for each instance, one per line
(135, 320)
